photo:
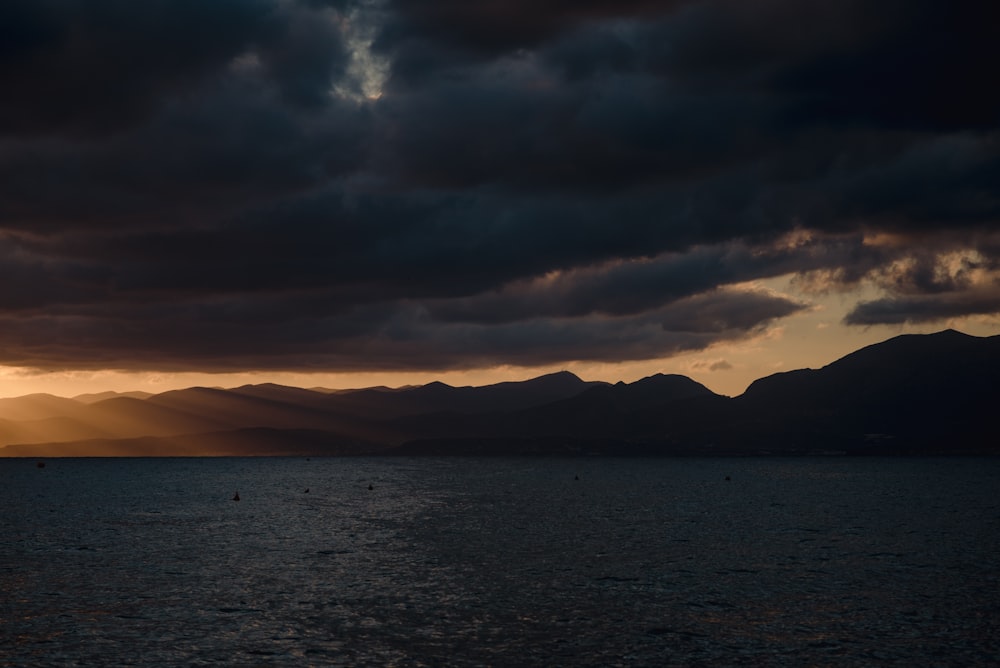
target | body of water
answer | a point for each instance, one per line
(506, 562)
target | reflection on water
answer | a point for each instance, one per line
(500, 561)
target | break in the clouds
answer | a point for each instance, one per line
(389, 184)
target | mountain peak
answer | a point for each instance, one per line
(671, 381)
(436, 385)
(921, 349)
(951, 332)
(912, 393)
(659, 388)
(560, 375)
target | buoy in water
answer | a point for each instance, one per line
(307, 491)
(40, 465)
(236, 496)
(370, 488)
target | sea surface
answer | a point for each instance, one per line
(506, 562)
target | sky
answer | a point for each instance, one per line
(350, 193)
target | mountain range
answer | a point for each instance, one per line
(912, 394)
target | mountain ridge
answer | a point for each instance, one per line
(930, 393)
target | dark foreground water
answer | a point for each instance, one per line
(818, 561)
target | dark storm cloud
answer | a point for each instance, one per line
(941, 280)
(638, 286)
(919, 64)
(94, 65)
(90, 66)
(246, 183)
(925, 308)
(231, 148)
(496, 26)
(226, 334)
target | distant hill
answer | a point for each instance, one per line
(935, 392)
(196, 417)
(384, 403)
(101, 396)
(36, 407)
(925, 394)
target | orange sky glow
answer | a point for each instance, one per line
(809, 339)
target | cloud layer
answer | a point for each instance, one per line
(309, 184)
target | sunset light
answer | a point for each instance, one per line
(499, 332)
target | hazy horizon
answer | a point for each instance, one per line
(882, 399)
(58, 383)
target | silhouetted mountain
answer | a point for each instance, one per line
(913, 367)
(384, 404)
(621, 410)
(649, 392)
(911, 394)
(362, 416)
(646, 416)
